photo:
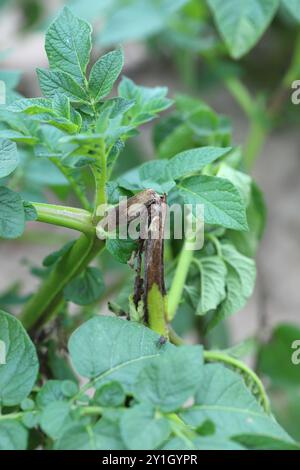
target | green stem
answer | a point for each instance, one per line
(11, 416)
(175, 338)
(49, 298)
(255, 142)
(258, 129)
(294, 68)
(216, 243)
(241, 94)
(157, 311)
(100, 175)
(180, 428)
(182, 269)
(69, 217)
(91, 410)
(73, 183)
(218, 356)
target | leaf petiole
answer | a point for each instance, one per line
(69, 217)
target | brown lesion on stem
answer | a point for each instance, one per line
(139, 281)
(149, 298)
(154, 282)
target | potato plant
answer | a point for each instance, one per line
(127, 380)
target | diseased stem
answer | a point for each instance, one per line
(179, 279)
(155, 299)
(69, 217)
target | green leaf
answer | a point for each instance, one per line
(68, 45)
(241, 24)
(52, 83)
(110, 394)
(104, 435)
(138, 20)
(202, 443)
(261, 442)
(51, 259)
(293, 8)
(100, 350)
(278, 351)
(154, 175)
(241, 276)
(69, 388)
(77, 437)
(222, 202)
(213, 280)
(31, 106)
(30, 420)
(193, 124)
(55, 418)
(13, 436)
(244, 266)
(9, 158)
(121, 250)
(115, 192)
(12, 216)
(61, 106)
(17, 136)
(27, 404)
(168, 381)
(141, 429)
(29, 211)
(18, 374)
(247, 242)
(104, 73)
(50, 392)
(57, 112)
(192, 161)
(235, 299)
(148, 101)
(85, 288)
(224, 399)
(107, 432)
(240, 180)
